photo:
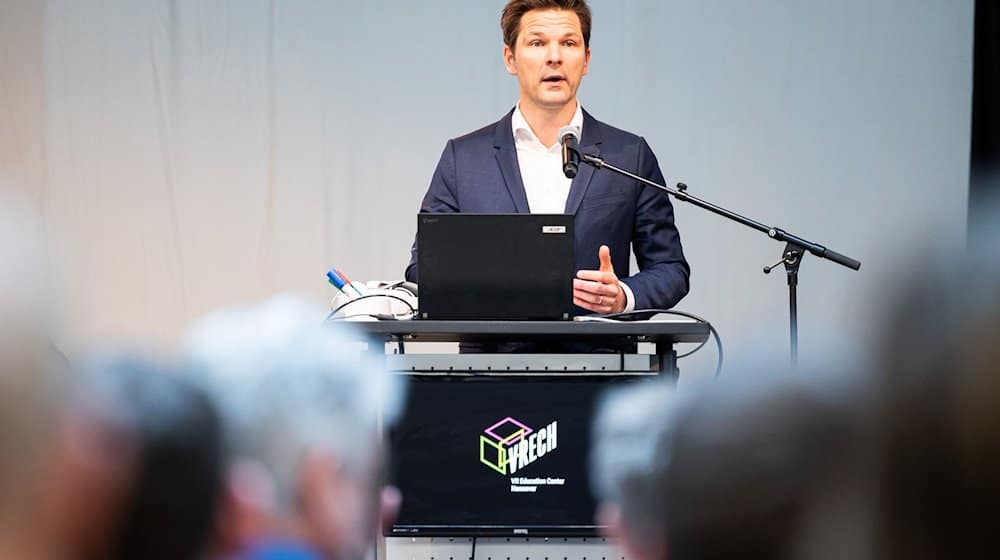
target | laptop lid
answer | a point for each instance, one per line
(496, 266)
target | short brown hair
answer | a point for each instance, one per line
(510, 19)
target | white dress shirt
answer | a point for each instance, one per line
(545, 185)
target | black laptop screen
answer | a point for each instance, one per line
(496, 266)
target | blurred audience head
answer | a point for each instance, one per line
(155, 471)
(750, 457)
(32, 384)
(631, 432)
(302, 406)
(939, 417)
(728, 470)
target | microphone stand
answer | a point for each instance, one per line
(791, 257)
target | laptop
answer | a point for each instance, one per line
(514, 267)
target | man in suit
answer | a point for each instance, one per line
(515, 165)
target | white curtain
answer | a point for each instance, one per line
(187, 154)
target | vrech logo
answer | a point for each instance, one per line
(510, 445)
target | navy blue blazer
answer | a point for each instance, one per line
(479, 173)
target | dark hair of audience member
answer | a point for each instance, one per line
(744, 463)
(178, 480)
(939, 415)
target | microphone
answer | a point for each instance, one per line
(569, 138)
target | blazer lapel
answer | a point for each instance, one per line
(506, 155)
(589, 144)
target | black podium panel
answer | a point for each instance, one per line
(503, 456)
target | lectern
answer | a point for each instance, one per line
(457, 453)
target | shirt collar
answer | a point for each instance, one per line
(523, 135)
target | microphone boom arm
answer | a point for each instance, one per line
(778, 234)
(795, 246)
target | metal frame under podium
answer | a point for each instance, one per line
(662, 334)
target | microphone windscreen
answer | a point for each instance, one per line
(568, 130)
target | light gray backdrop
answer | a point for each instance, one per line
(188, 154)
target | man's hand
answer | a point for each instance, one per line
(599, 290)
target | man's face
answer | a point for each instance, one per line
(549, 58)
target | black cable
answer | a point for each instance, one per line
(696, 348)
(369, 296)
(473, 555)
(379, 316)
(651, 312)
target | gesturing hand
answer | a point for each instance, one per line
(599, 290)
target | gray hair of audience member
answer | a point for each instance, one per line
(32, 378)
(939, 414)
(288, 384)
(630, 451)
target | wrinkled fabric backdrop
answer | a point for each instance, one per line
(187, 154)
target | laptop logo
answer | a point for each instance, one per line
(553, 229)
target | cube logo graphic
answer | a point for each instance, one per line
(497, 438)
(510, 445)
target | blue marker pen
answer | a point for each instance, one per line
(337, 281)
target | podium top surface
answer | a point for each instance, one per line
(479, 331)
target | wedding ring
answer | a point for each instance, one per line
(600, 300)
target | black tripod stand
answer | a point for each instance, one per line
(795, 247)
